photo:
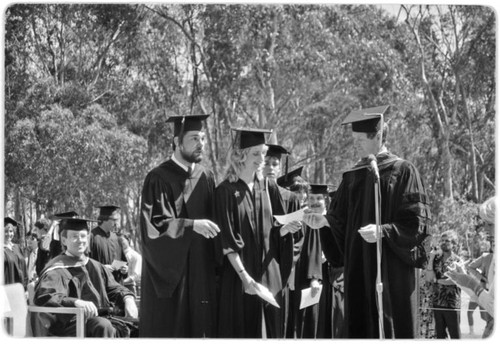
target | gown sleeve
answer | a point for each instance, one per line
(331, 240)
(311, 251)
(410, 213)
(226, 216)
(166, 237)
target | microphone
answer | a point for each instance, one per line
(373, 164)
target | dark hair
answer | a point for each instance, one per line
(32, 235)
(102, 218)
(43, 224)
(299, 184)
(180, 137)
(384, 133)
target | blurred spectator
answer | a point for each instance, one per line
(104, 246)
(446, 295)
(134, 259)
(479, 268)
(31, 255)
(485, 292)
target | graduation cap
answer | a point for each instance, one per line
(187, 123)
(107, 210)
(366, 120)
(318, 189)
(276, 150)
(249, 137)
(10, 220)
(287, 179)
(65, 214)
(74, 224)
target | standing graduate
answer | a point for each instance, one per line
(308, 270)
(104, 245)
(14, 264)
(273, 169)
(251, 244)
(294, 182)
(288, 203)
(351, 228)
(331, 303)
(178, 282)
(41, 229)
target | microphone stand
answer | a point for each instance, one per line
(379, 286)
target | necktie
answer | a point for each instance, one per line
(188, 188)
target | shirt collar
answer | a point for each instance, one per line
(184, 167)
(83, 259)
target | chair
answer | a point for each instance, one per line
(16, 309)
(20, 312)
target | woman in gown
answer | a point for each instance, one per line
(251, 243)
(14, 263)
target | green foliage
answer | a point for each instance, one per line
(61, 161)
(88, 88)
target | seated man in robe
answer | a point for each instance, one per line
(74, 280)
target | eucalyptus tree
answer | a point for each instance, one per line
(456, 66)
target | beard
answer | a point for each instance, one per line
(193, 157)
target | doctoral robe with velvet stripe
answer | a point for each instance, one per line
(178, 282)
(247, 228)
(66, 279)
(404, 218)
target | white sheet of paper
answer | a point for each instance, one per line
(117, 264)
(265, 294)
(295, 216)
(306, 298)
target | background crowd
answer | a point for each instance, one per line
(197, 283)
(88, 89)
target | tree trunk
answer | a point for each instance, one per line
(440, 131)
(473, 159)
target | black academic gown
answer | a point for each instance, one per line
(178, 283)
(66, 279)
(42, 258)
(14, 266)
(105, 248)
(331, 303)
(287, 202)
(245, 219)
(308, 267)
(404, 218)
